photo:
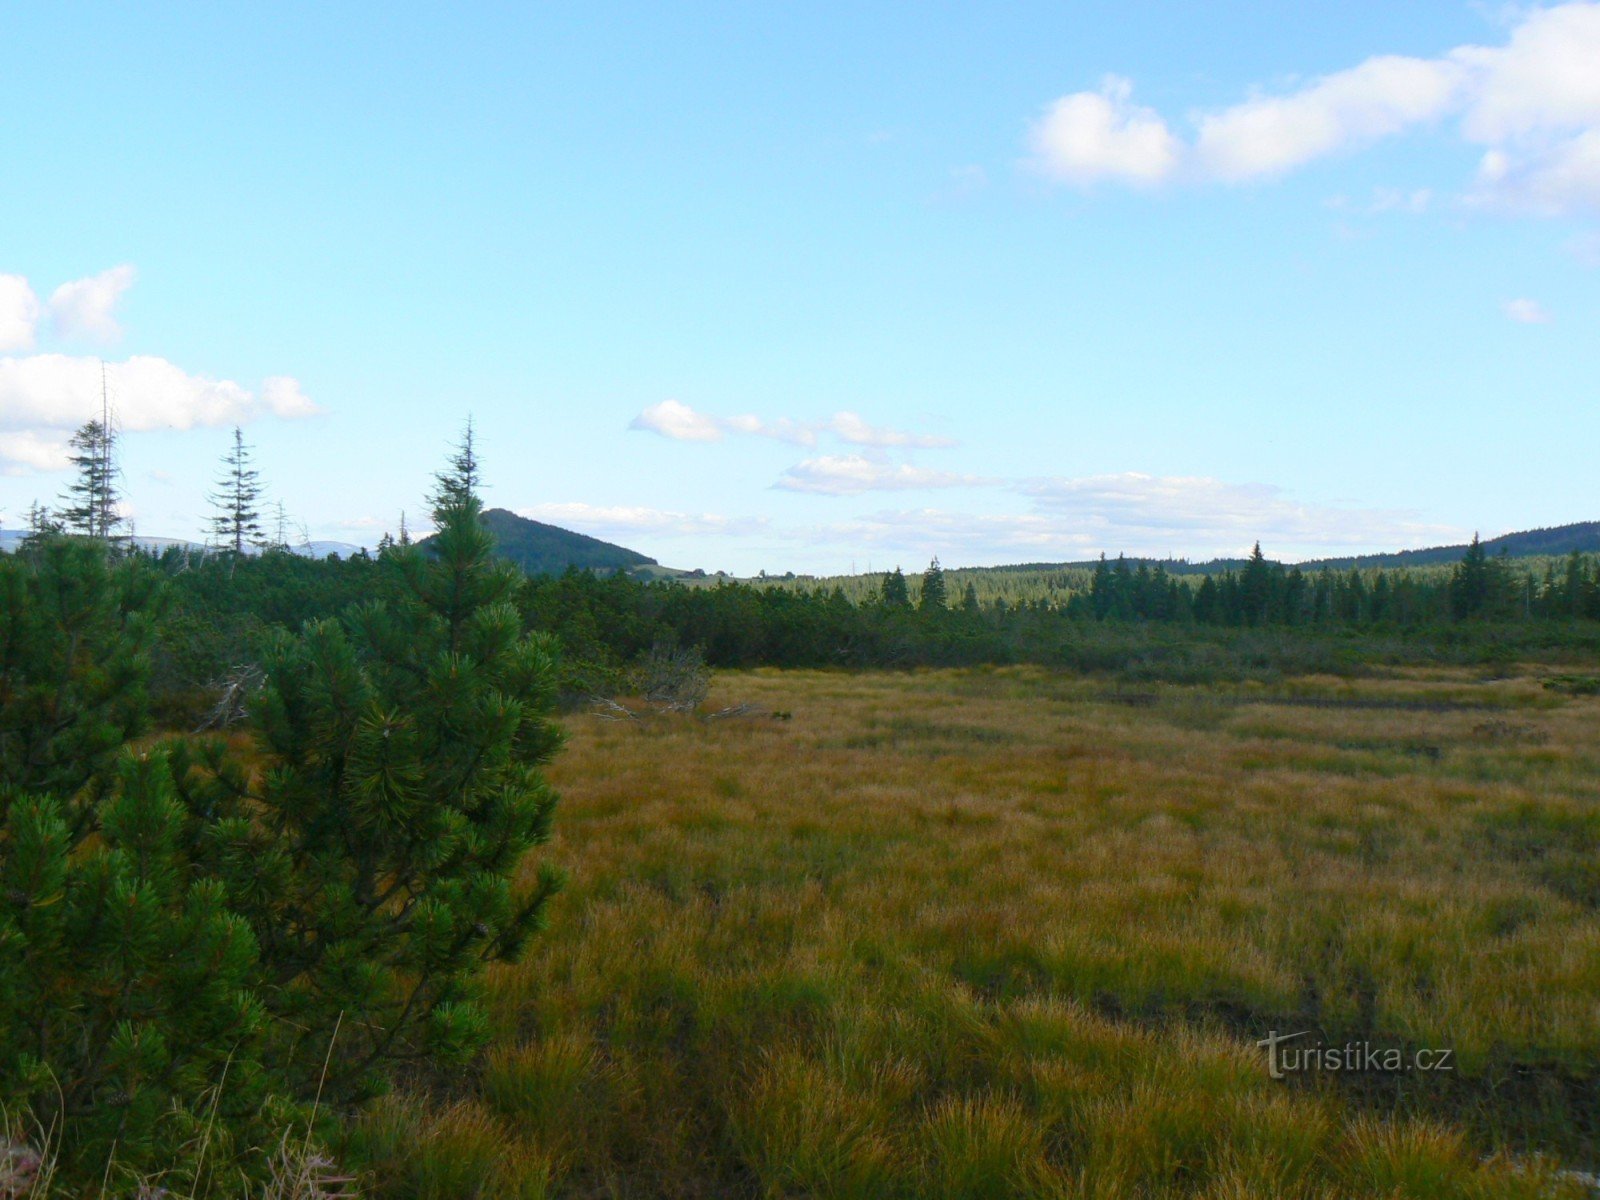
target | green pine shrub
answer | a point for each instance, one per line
(203, 944)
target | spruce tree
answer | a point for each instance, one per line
(237, 522)
(1256, 588)
(895, 593)
(933, 598)
(1480, 586)
(90, 503)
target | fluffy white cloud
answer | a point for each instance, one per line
(1547, 76)
(19, 313)
(1534, 101)
(43, 397)
(1271, 134)
(1526, 312)
(1089, 136)
(29, 451)
(87, 307)
(676, 420)
(608, 521)
(850, 474)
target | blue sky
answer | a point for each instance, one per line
(807, 287)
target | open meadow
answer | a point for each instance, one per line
(1005, 932)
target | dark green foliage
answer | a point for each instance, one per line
(75, 627)
(895, 593)
(934, 596)
(377, 859)
(193, 948)
(1480, 586)
(128, 1013)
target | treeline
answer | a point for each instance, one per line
(222, 607)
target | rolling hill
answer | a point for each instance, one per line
(1582, 536)
(541, 549)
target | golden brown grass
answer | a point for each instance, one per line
(1004, 933)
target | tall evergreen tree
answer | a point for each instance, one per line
(463, 478)
(1479, 585)
(1256, 588)
(237, 522)
(90, 502)
(934, 597)
(895, 593)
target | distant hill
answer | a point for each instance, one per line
(10, 539)
(1584, 536)
(541, 549)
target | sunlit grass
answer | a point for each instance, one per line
(1003, 933)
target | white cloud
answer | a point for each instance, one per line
(19, 313)
(1198, 515)
(848, 427)
(87, 307)
(43, 397)
(1534, 102)
(26, 450)
(1526, 312)
(1546, 77)
(1088, 136)
(1556, 179)
(1065, 519)
(676, 420)
(608, 521)
(1272, 134)
(1142, 515)
(960, 537)
(848, 475)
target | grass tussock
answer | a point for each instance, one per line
(1007, 933)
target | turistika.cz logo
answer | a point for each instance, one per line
(1284, 1059)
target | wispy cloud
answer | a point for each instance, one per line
(613, 520)
(676, 420)
(1526, 312)
(1534, 102)
(1204, 515)
(1064, 519)
(851, 474)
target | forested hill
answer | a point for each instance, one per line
(541, 549)
(1584, 537)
